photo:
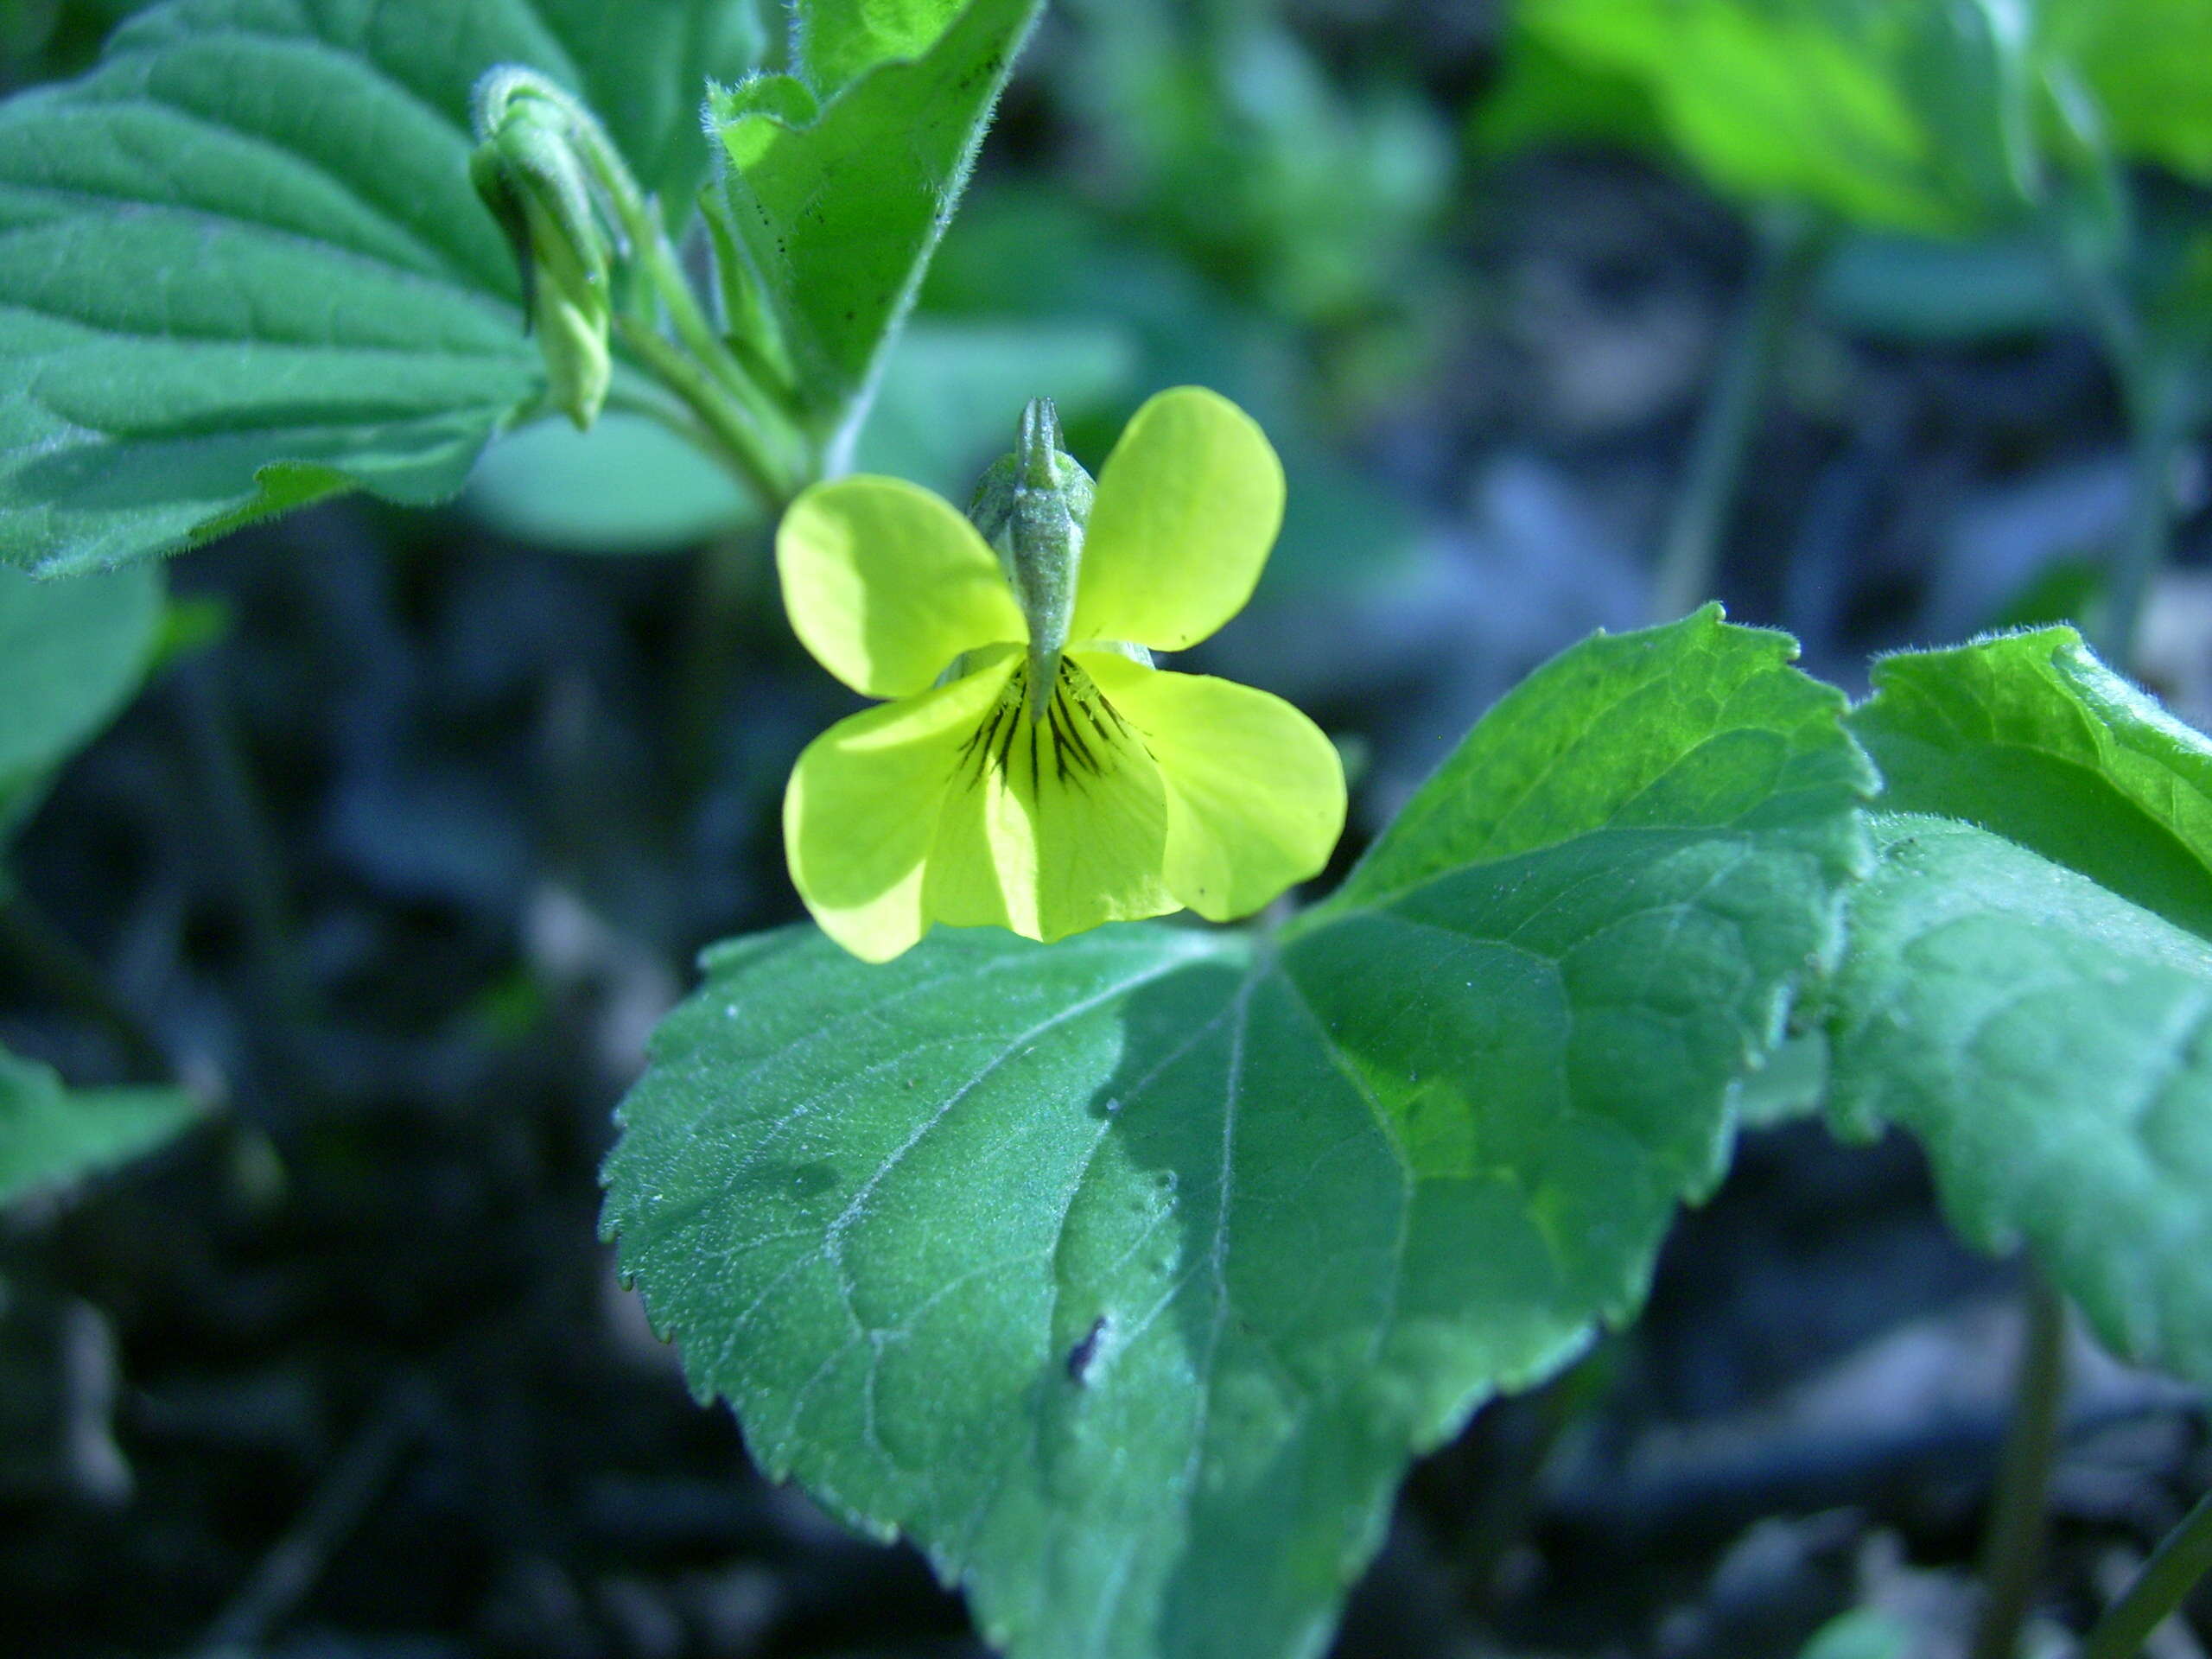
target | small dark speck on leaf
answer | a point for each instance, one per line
(1083, 1353)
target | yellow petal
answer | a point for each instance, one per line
(1255, 793)
(954, 807)
(1058, 824)
(1188, 506)
(860, 813)
(886, 583)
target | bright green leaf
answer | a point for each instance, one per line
(2051, 1045)
(71, 651)
(2143, 61)
(838, 42)
(2029, 737)
(1892, 113)
(837, 195)
(1125, 1275)
(242, 266)
(50, 1135)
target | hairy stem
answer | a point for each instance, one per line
(1789, 252)
(2012, 1548)
(773, 480)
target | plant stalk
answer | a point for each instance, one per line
(1790, 248)
(2160, 1588)
(234, 799)
(771, 481)
(2151, 400)
(2011, 1552)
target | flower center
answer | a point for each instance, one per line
(1073, 733)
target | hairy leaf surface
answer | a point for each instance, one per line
(2028, 735)
(839, 187)
(2051, 1045)
(242, 266)
(1125, 1275)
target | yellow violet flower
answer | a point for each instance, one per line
(1031, 769)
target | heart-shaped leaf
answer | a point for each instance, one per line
(1125, 1275)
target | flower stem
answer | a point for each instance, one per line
(773, 482)
(2012, 1548)
(2150, 401)
(1790, 246)
(2180, 1560)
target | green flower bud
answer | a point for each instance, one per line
(531, 173)
(1031, 507)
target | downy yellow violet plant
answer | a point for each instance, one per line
(1032, 770)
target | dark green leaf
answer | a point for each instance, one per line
(242, 266)
(50, 1136)
(1125, 1275)
(2029, 736)
(837, 193)
(2051, 1045)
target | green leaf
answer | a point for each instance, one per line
(50, 1136)
(72, 652)
(627, 486)
(1125, 1275)
(1915, 292)
(1892, 113)
(2141, 60)
(838, 192)
(242, 266)
(2029, 737)
(838, 42)
(2051, 1045)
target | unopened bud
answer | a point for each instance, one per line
(1031, 507)
(530, 172)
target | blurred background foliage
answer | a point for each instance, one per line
(409, 841)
